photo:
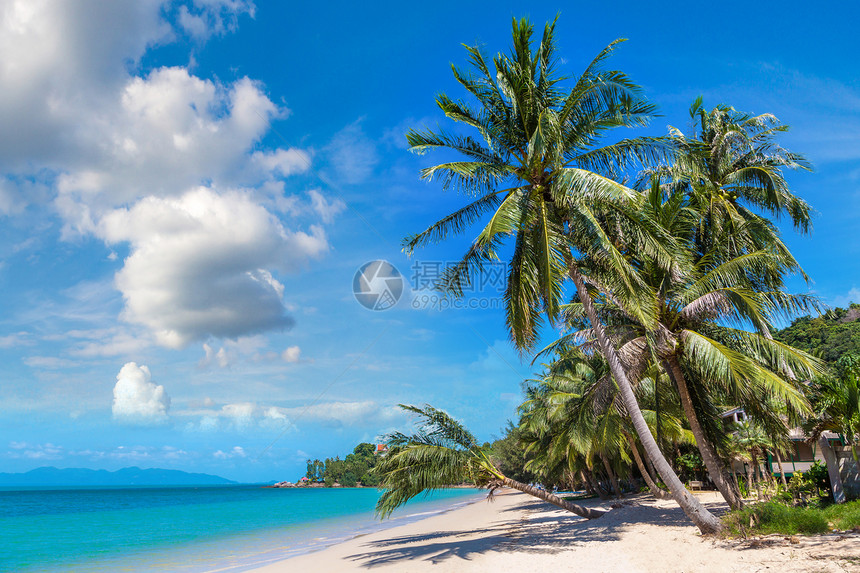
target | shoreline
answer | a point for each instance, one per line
(519, 533)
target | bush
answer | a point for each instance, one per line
(844, 515)
(775, 517)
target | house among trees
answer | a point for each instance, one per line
(798, 454)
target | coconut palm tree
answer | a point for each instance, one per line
(443, 453)
(537, 174)
(732, 169)
(701, 300)
(574, 412)
(751, 438)
(836, 402)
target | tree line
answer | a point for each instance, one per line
(357, 468)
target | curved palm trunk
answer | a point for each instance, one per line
(706, 521)
(832, 470)
(709, 456)
(586, 512)
(613, 479)
(655, 491)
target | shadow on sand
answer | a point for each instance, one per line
(550, 531)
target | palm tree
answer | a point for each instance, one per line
(574, 414)
(751, 438)
(732, 168)
(443, 453)
(731, 272)
(540, 177)
(836, 401)
(708, 361)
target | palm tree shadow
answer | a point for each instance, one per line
(550, 532)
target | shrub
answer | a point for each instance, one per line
(844, 515)
(775, 517)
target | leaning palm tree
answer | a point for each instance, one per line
(444, 453)
(539, 176)
(701, 300)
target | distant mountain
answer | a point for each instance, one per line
(51, 476)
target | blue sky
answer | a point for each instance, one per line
(187, 190)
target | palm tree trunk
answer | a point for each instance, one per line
(779, 464)
(595, 485)
(651, 469)
(616, 487)
(586, 512)
(832, 470)
(735, 475)
(588, 487)
(655, 491)
(709, 456)
(757, 480)
(706, 521)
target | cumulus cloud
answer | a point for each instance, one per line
(198, 266)
(853, 295)
(169, 132)
(137, 400)
(292, 354)
(122, 155)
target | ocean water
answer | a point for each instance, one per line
(187, 529)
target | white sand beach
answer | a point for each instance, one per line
(517, 533)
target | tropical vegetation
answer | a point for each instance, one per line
(659, 261)
(357, 468)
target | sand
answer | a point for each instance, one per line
(517, 533)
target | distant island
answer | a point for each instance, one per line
(355, 470)
(51, 476)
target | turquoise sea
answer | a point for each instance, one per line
(187, 529)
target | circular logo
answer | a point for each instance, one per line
(377, 285)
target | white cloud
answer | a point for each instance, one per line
(352, 154)
(167, 133)
(16, 339)
(239, 417)
(122, 155)
(59, 57)
(324, 208)
(136, 399)
(842, 301)
(339, 414)
(291, 354)
(198, 265)
(23, 450)
(236, 452)
(205, 18)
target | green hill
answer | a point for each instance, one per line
(828, 336)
